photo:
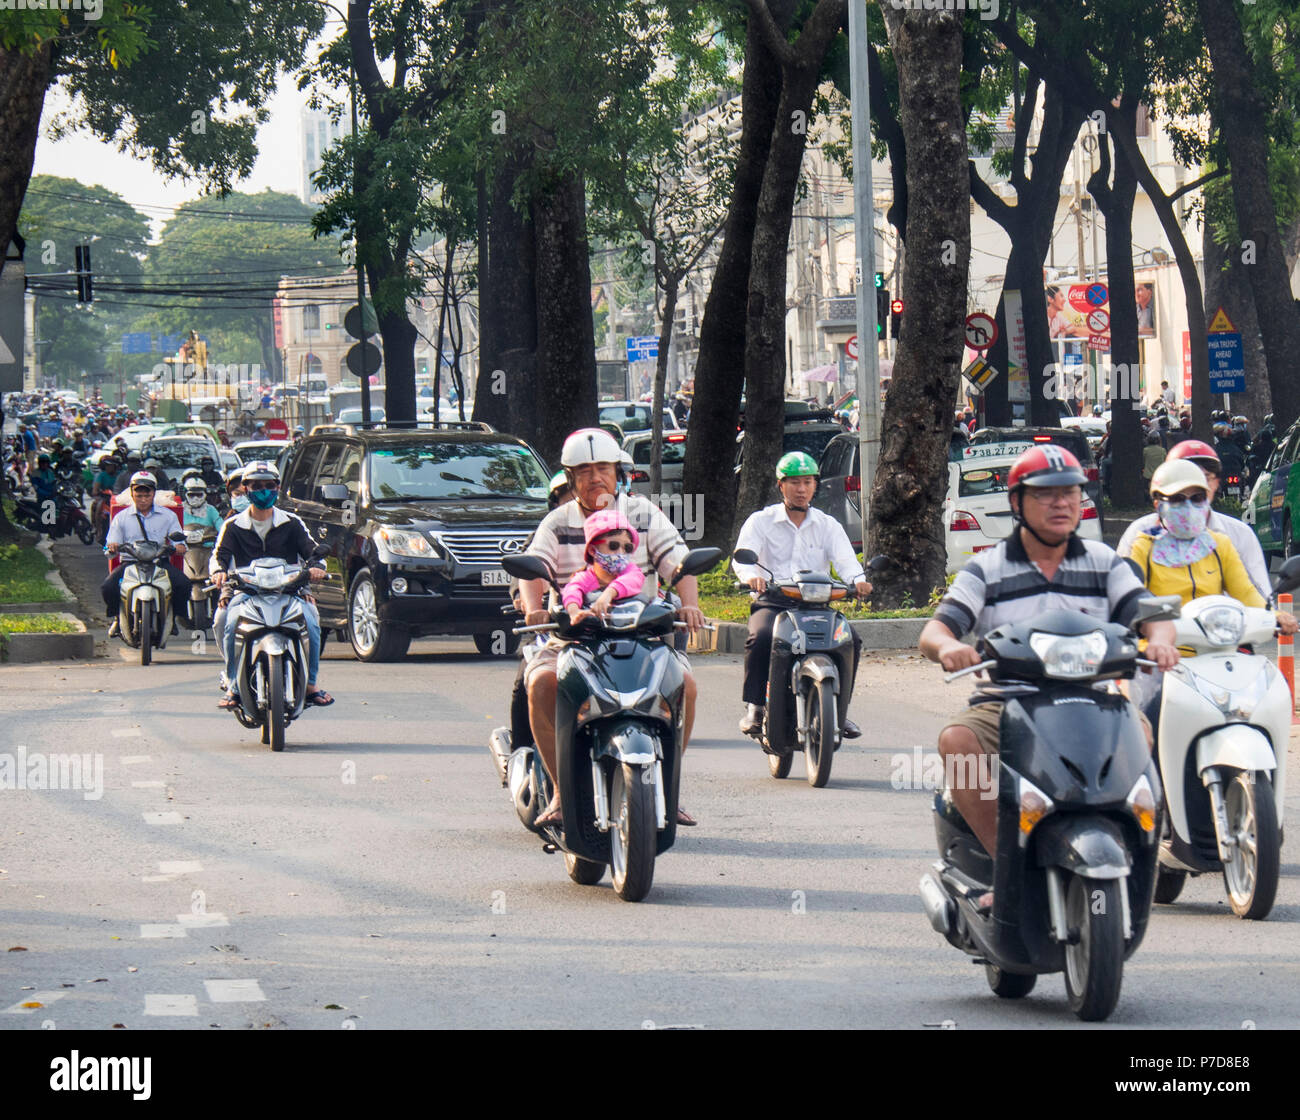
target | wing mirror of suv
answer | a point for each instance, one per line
(695, 562)
(1288, 578)
(529, 567)
(333, 493)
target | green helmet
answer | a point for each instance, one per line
(795, 463)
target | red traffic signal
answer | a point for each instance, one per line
(896, 307)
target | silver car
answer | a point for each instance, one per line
(639, 446)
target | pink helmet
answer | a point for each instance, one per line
(602, 522)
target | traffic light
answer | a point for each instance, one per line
(882, 308)
(424, 367)
(85, 285)
(880, 280)
(895, 317)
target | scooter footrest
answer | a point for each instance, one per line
(962, 883)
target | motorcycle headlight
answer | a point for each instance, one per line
(1223, 625)
(399, 542)
(815, 592)
(1069, 657)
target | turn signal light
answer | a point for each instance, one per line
(1034, 806)
(1142, 804)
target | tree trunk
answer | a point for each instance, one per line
(1243, 127)
(23, 81)
(566, 342)
(719, 369)
(906, 510)
(399, 335)
(671, 282)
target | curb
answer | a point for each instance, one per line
(876, 633)
(26, 649)
(54, 575)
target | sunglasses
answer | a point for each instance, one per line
(258, 484)
(141, 489)
(615, 546)
(1183, 499)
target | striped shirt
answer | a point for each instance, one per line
(560, 541)
(1002, 585)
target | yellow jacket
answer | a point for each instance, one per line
(1219, 573)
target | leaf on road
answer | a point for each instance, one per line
(32, 1003)
(18, 948)
(335, 1007)
(132, 968)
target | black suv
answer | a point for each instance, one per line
(416, 522)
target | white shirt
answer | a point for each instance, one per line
(815, 546)
(1242, 536)
(158, 522)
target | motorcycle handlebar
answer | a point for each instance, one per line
(976, 668)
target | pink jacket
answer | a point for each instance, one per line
(628, 584)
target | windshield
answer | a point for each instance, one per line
(674, 452)
(813, 441)
(179, 453)
(432, 471)
(251, 452)
(629, 417)
(984, 480)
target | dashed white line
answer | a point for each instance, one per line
(162, 930)
(157, 1004)
(126, 733)
(135, 759)
(180, 867)
(202, 921)
(234, 991)
(34, 997)
(170, 817)
(147, 785)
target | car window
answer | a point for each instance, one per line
(674, 452)
(810, 440)
(836, 461)
(304, 467)
(1289, 454)
(629, 417)
(983, 480)
(433, 471)
(329, 463)
(350, 469)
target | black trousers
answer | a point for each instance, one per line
(758, 648)
(521, 731)
(111, 589)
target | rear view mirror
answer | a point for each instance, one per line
(1288, 578)
(529, 567)
(1164, 608)
(177, 537)
(745, 556)
(696, 562)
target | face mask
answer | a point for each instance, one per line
(240, 502)
(264, 499)
(196, 500)
(614, 563)
(1186, 521)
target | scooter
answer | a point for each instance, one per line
(271, 645)
(199, 542)
(1078, 809)
(1225, 720)
(811, 672)
(619, 715)
(144, 616)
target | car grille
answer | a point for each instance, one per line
(481, 548)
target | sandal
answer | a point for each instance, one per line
(318, 699)
(683, 817)
(228, 703)
(551, 816)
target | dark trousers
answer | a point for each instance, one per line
(111, 589)
(521, 731)
(758, 648)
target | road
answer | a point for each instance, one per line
(373, 875)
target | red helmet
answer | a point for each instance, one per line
(1194, 450)
(1046, 464)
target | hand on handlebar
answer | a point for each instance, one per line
(957, 655)
(537, 618)
(692, 616)
(757, 583)
(316, 574)
(1164, 654)
(218, 578)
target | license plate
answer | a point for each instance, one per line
(496, 577)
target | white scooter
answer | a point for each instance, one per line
(1225, 719)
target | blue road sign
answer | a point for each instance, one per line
(169, 343)
(139, 342)
(1097, 294)
(1227, 369)
(643, 348)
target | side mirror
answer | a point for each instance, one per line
(696, 562)
(745, 556)
(1165, 608)
(881, 563)
(320, 552)
(529, 567)
(1288, 578)
(176, 538)
(333, 493)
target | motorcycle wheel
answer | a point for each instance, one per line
(1169, 884)
(1251, 875)
(821, 735)
(146, 632)
(583, 871)
(1094, 964)
(1008, 985)
(778, 765)
(634, 837)
(85, 532)
(274, 715)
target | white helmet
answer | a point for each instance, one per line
(143, 478)
(195, 492)
(260, 471)
(590, 445)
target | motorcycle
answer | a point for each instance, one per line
(810, 674)
(271, 645)
(144, 614)
(618, 736)
(1078, 809)
(68, 515)
(1225, 719)
(198, 551)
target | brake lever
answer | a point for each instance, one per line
(976, 668)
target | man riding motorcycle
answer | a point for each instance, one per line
(211, 476)
(199, 515)
(262, 530)
(789, 536)
(1041, 566)
(143, 521)
(593, 463)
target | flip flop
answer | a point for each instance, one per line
(555, 816)
(683, 817)
(228, 703)
(319, 699)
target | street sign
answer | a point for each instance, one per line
(364, 359)
(353, 323)
(851, 348)
(979, 373)
(138, 342)
(1220, 324)
(1227, 367)
(277, 428)
(643, 348)
(981, 331)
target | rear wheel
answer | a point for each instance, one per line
(1169, 884)
(1251, 875)
(821, 734)
(499, 643)
(634, 838)
(274, 714)
(1008, 985)
(146, 632)
(85, 532)
(1094, 960)
(372, 639)
(583, 871)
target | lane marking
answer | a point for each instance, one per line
(180, 867)
(135, 759)
(147, 785)
(202, 921)
(170, 817)
(156, 1004)
(33, 997)
(234, 991)
(161, 930)
(126, 733)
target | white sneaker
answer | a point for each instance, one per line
(752, 721)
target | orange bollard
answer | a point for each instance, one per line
(1286, 654)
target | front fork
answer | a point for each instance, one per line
(1218, 807)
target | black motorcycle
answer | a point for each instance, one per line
(58, 517)
(618, 735)
(1078, 810)
(810, 674)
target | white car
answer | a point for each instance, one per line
(251, 450)
(977, 510)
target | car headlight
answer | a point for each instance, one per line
(1223, 625)
(1069, 656)
(815, 592)
(402, 543)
